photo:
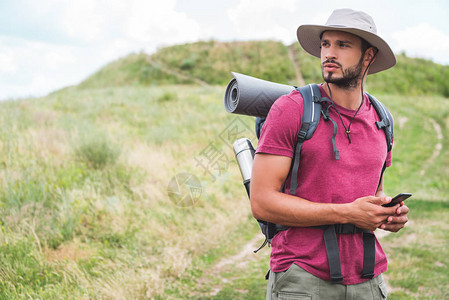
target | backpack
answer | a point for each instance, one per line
(313, 109)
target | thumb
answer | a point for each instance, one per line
(380, 200)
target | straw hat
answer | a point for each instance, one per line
(355, 22)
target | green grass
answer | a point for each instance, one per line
(84, 210)
(85, 213)
(419, 255)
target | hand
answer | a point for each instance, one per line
(398, 220)
(368, 213)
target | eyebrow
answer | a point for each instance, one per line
(345, 41)
(339, 41)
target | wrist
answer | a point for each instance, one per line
(342, 213)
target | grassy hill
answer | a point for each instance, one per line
(98, 201)
(206, 62)
(211, 63)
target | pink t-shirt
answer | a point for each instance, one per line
(323, 179)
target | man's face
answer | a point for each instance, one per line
(341, 58)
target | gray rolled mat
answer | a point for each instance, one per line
(246, 95)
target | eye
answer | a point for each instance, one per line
(324, 44)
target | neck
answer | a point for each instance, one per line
(347, 98)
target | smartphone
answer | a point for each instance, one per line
(397, 199)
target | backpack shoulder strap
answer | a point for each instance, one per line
(311, 95)
(387, 124)
(386, 120)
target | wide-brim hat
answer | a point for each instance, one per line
(355, 22)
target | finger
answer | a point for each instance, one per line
(378, 200)
(381, 200)
(392, 227)
(390, 211)
(404, 209)
(397, 220)
(386, 200)
(373, 199)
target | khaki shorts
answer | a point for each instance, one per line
(296, 283)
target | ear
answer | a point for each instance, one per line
(370, 55)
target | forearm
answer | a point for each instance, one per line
(365, 212)
(284, 209)
(269, 204)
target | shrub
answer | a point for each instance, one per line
(167, 97)
(97, 151)
(187, 64)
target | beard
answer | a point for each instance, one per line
(350, 77)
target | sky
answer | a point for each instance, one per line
(46, 45)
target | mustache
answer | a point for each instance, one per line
(331, 61)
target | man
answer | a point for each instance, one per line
(332, 189)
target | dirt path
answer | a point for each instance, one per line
(292, 55)
(166, 70)
(437, 148)
(237, 261)
(241, 259)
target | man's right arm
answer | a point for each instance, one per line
(269, 204)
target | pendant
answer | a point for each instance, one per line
(348, 133)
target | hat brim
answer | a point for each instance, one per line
(309, 39)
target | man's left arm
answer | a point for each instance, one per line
(398, 220)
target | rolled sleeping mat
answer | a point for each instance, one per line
(246, 95)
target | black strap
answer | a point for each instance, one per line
(369, 254)
(381, 175)
(311, 95)
(334, 144)
(295, 166)
(261, 246)
(333, 252)
(386, 120)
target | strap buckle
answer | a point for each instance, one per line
(368, 276)
(302, 134)
(346, 229)
(382, 124)
(336, 279)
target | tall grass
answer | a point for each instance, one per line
(84, 206)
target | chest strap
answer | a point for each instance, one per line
(333, 252)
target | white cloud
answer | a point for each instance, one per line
(151, 23)
(95, 32)
(142, 23)
(84, 19)
(36, 68)
(265, 19)
(422, 40)
(7, 64)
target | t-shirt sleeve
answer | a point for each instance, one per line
(278, 135)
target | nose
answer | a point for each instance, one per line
(328, 53)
